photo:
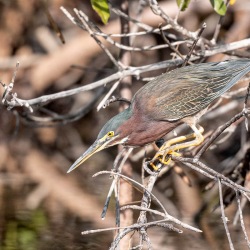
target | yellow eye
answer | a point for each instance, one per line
(110, 134)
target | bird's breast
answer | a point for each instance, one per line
(146, 131)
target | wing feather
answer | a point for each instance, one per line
(188, 90)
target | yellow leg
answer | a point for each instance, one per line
(170, 146)
(197, 141)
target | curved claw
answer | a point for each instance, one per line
(163, 158)
(154, 166)
(171, 146)
(166, 155)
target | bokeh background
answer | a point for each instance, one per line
(42, 207)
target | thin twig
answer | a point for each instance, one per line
(246, 96)
(170, 218)
(9, 98)
(55, 118)
(218, 131)
(210, 173)
(145, 203)
(136, 184)
(15, 72)
(156, 212)
(116, 168)
(218, 27)
(169, 44)
(157, 10)
(194, 44)
(136, 71)
(241, 219)
(115, 99)
(148, 29)
(245, 106)
(106, 97)
(108, 38)
(224, 218)
(124, 159)
(84, 19)
(133, 227)
(136, 227)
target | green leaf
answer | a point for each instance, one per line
(102, 9)
(219, 6)
(183, 4)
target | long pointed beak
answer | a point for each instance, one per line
(95, 147)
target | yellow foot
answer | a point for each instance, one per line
(166, 159)
(163, 158)
(153, 166)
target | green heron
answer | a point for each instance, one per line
(179, 96)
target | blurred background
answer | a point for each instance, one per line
(42, 207)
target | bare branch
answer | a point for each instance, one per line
(224, 218)
(158, 11)
(194, 44)
(241, 219)
(130, 71)
(219, 130)
(210, 173)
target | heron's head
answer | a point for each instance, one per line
(111, 134)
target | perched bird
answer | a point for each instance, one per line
(179, 96)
